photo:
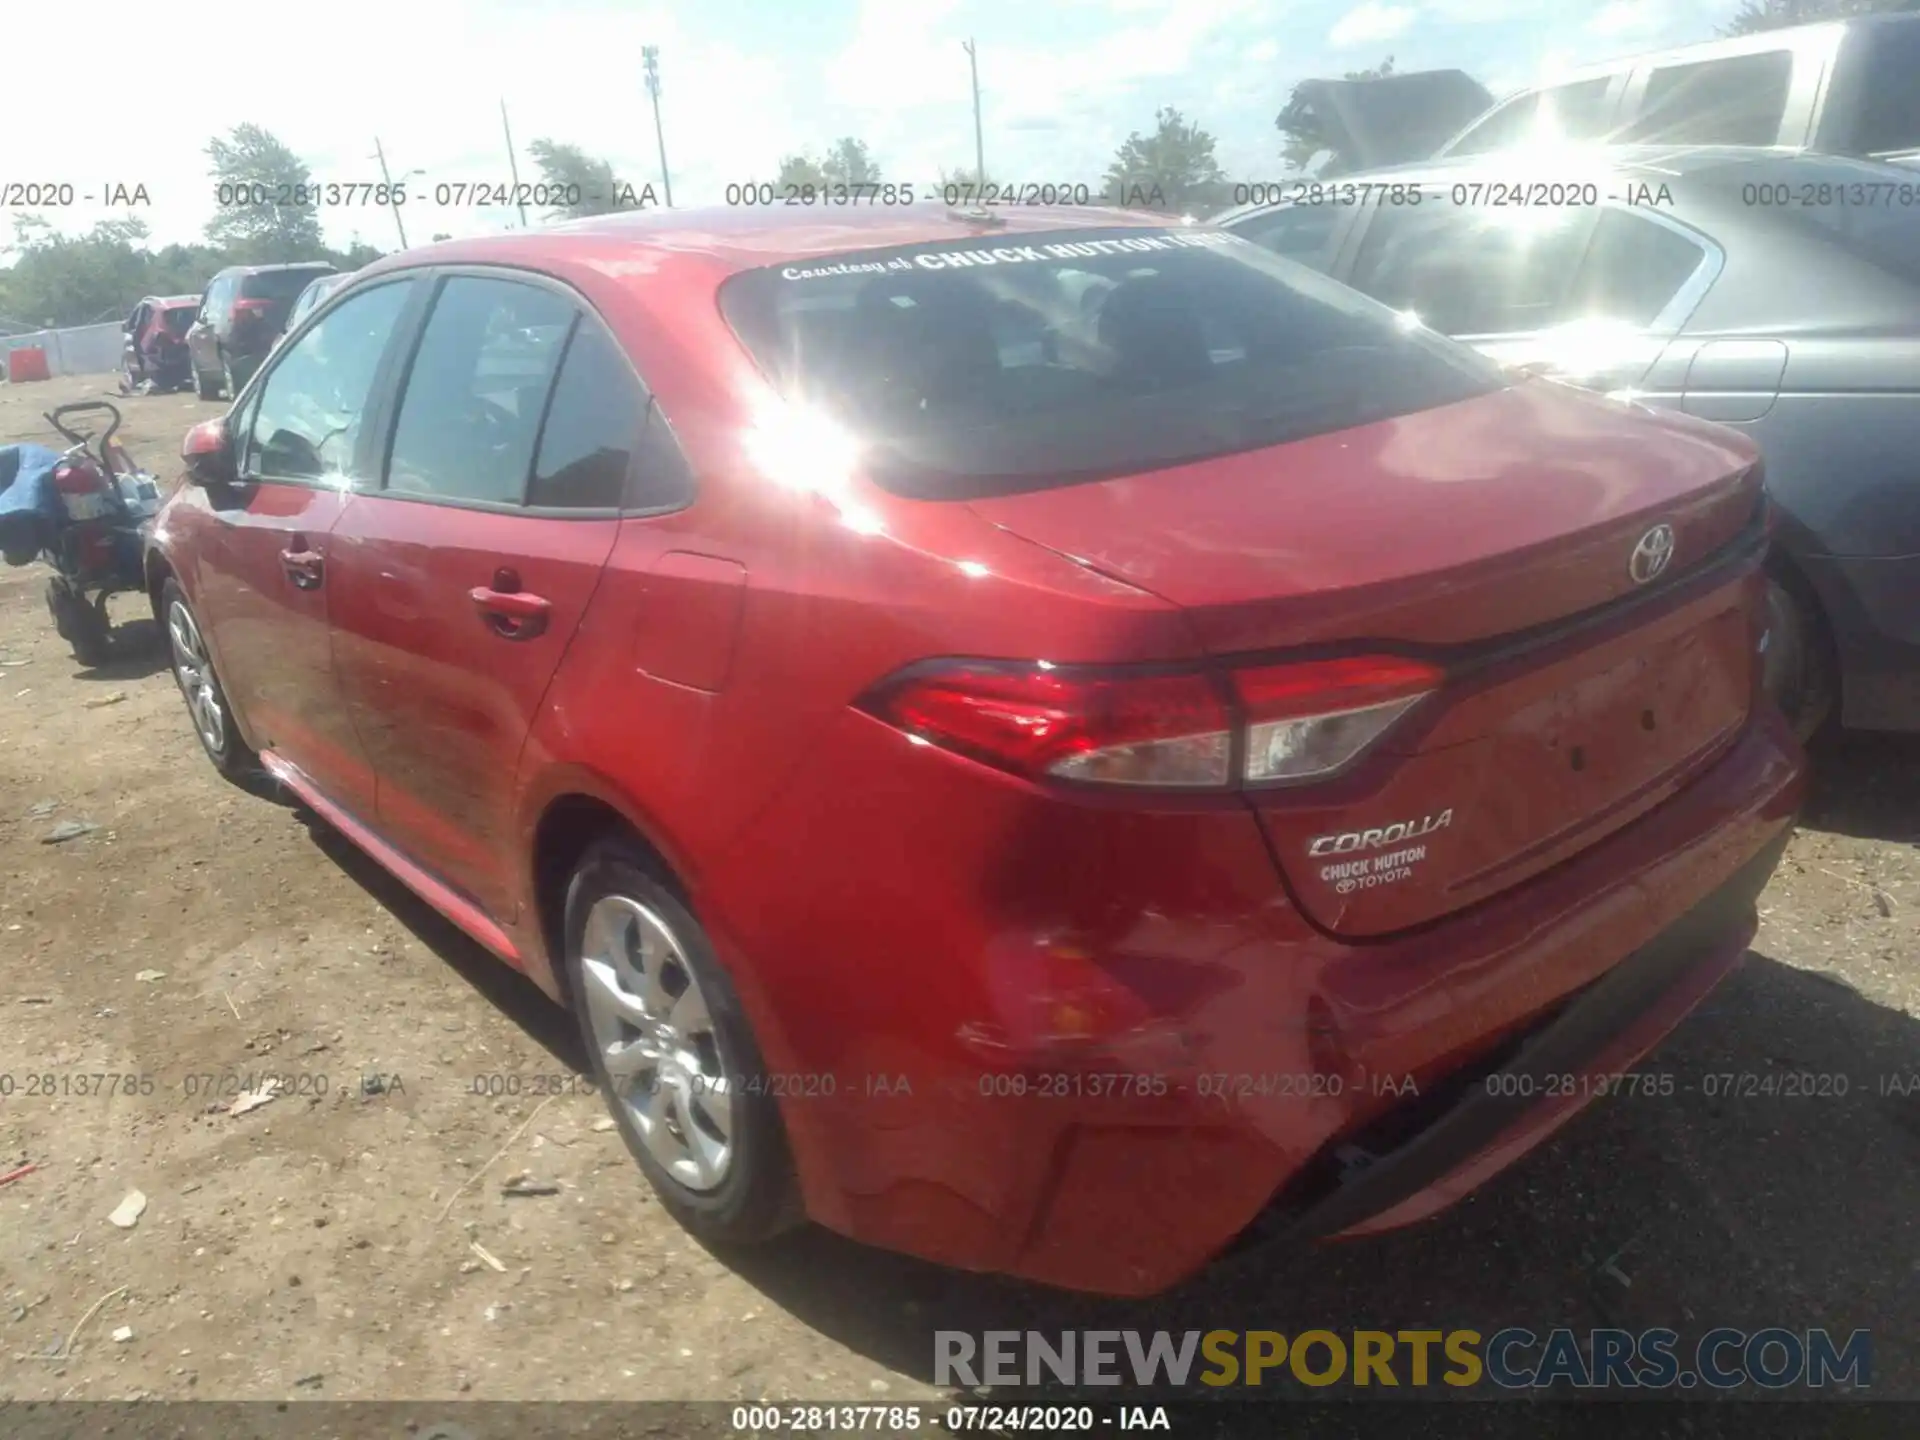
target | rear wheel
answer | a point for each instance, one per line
(1798, 668)
(673, 1053)
(206, 700)
(80, 624)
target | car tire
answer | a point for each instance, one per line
(690, 1097)
(207, 389)
(1798, 668)
(207, 704)
(80, 624)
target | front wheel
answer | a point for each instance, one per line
(1798, 669)
(672, 1051)
(206, 700)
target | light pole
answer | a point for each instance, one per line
(979, 144)
(650, 56)
(393, 196)
(513, 165)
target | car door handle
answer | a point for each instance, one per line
(304, 567)
(512, 614)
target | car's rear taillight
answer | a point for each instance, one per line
(1278, 724)
(1038, 720)
(1306, 721)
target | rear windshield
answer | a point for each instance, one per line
(277, 284)
(1008, 363)
(180, 318)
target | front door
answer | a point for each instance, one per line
(267, 583)
(459, 585)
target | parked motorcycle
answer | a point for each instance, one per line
(84, 510)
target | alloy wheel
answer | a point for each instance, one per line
(195, 670)
(657, 1041)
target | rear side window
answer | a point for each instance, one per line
(1473, 272)
(1512, 122)
(1004, 363)
(470, 415)
(1634, 269)
(1574, 112)
(1736, 101)
(307, 422)
(595, 421)
(1302, 233)
(1889, 117)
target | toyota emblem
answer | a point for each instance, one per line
(1650, 556)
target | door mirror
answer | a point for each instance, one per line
(208, 451)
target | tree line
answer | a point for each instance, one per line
(58, 279)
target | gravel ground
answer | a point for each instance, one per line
(357, 1243)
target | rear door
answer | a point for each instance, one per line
(301, 441)
(464, 577)
(202, 339)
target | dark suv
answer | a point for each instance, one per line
(243, 312)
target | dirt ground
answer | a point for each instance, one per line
(357, 1244)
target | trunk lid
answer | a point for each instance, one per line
(1444, 527)
(1482, 533)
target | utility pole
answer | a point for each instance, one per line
(513, 165)
(387, 180)
(650, 55)
(979, 144)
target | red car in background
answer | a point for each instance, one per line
(1045, 743)
(155, 352)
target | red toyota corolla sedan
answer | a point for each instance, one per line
(1052, 743)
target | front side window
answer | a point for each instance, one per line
(307, 422)
(471, 410)
(1474, 272)
(1736, 101)
(1015, 362)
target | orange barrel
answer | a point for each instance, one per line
(27, 363)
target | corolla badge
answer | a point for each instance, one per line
(1350, 841)
(1651, 556)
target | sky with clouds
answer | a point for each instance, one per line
(744, 82)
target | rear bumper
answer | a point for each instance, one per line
(1574, 1057)
(1094, 1047)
